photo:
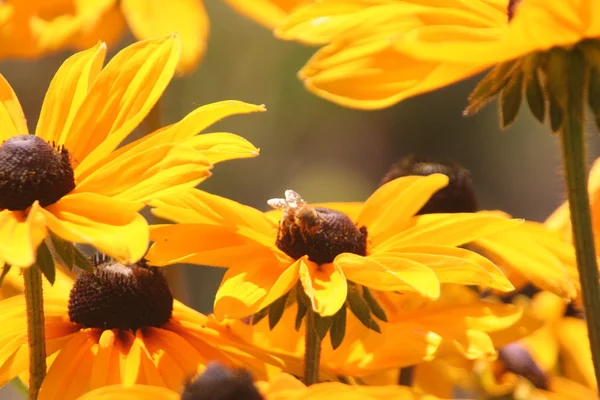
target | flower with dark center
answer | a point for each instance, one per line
(458, 196)
(120, 324)
(69, 178)
(30, 170)
(379, 244)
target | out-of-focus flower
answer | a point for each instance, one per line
(117, 325)
(459, 323)
(34, 28)
(70, 178)
(380, 52)
(282, 387)
(270, 13)
(385, 247)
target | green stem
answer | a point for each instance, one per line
(574, 158)
(312, 350)
(35, 329)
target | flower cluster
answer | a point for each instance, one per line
(413, 293)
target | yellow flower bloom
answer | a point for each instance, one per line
(119, 324)
(34, 28)
(385, 247)
(282, 387)
(77, 184)
(378, 53)
(458, 323)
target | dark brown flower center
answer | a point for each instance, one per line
(512, 8)
(220, 383)
(30, 170)
(117, 296)
(458, 196)
(319, 233)
(517, 359)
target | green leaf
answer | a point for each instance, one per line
(69, 254)
(510, 99)
(5, 271)
(535, 96)
(258, 316)
(360, 309)
(338, 328)
(376, 309)
(490, 86)
(45, 263)
(594, 94)
(322, 325)
(276, 310)
(302, 309)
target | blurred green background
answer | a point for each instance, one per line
(321, 150)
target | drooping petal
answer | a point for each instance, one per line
(456, 265)
(112, 226)
(186, 18)
(21, 234)
(244, 292)
(325, 285)
(388, 210)
(139, 176)
(120, 98)
(68, 89)
(390, 272)
(12, 119)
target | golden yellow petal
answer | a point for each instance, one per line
(136, 392)
(325, 285)
(186, 18)
(222, 146)
(575, 349)
(12, 119)
(68, 89)
(266, 12)
(109, 26)
(122, 95)
(112, 226)
(21, 235)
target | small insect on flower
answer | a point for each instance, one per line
(297, 215)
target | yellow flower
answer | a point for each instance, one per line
(70, 178)
(378, 53)
(384, 247)
(459, 323)
(116, 325)
(34, 28)
(270, 13)
(282, 387)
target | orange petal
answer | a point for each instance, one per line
(12, 119)
(120, 98)
(68, 89)
(325, 285)
(137, 392)
(186, 18)
(389, 272)
(112, 226)
(21, 235)
(387, 211)
(244, 292)
(266, 12)
(108, 25)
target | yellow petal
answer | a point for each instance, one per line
(186, 18)
(120, 98)
(139, 176)
(448, 230)
(108, 26)
(217, 147)
(21, 235)
(456, 265)
(389, 272)
(388, 210)
(68, 89)
(243, 292)
(111, 226)
(266, 12)
(572, 336)
(137, 392)
(12, 119)
(325, 286)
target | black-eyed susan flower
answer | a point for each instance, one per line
(331, 254)
(457, 324)
(119, 324)
(70, 179)
(281, 387)
(528, 254)
(35, 28)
